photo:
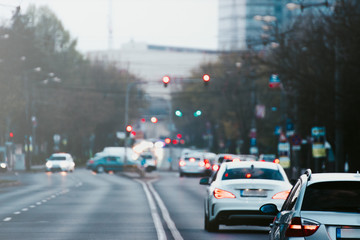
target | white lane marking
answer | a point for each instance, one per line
(38, 203)
(156, 218)
(32, 206)
(17, 213)
(170, 223)
(7, 219)
(25, 209)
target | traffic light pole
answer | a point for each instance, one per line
(128, 88)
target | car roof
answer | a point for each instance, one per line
(247, 164)
(61, 154)
(332, 177)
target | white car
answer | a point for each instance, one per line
(194, 163)
(239, 189)
(320, 206)
(60, 162)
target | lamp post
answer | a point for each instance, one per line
(29, 138)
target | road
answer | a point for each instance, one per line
(84, 205)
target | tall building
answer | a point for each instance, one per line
(244, 23)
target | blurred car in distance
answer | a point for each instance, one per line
(107, 163)
(268, 158)
(319, 206)
(237, 191)
(148, 161)
(60, 162)
(225, 157)
(194, 163)
(3, 166)
(247, 157)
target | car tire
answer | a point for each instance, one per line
(181, 174)
(213, 226)
(100, 169)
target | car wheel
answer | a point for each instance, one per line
(181, 174)
(100, 169)
(213, 226)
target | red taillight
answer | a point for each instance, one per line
(182, 163)
(236, 160)
(276, 161)
(192, 159)
(207, 165)
(281, 195)
(91, 161)
(248, 175)
(219, 194)
(301, 228)
(202, 164)
(262, 160)
(215, 167)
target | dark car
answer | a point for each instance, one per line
(107, 163)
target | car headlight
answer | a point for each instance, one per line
(3, 165)
(49, 164)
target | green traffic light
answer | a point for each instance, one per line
(178, 113)
(197, 113)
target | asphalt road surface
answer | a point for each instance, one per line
(84, 205)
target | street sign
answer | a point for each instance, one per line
(274, 81)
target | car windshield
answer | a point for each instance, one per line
(332, 196)
(252, 173)
(57, 158)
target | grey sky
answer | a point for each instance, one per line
(184, 23)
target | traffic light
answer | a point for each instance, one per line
(128, 130)
(206, 79)
(178, 113)
(167, 140)
(197, 113)
(166, 80)
(154, 120)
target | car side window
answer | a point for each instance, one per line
(292, 198)
(119, 159)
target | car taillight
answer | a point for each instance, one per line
(207, 165)
(281, 195)
(276, 161)
(182, 163)
(301, 228)
(202, 164)
(236, 160)
(219, 194)
(91, 161)
(215, 167)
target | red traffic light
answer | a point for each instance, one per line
(129, 128)
(11, 134)
(206, 79)
(179, 136)
(166, 80)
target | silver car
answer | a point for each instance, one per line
(319, 206)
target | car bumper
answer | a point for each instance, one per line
(235, 212)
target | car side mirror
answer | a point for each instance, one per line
(269, 208)
(204, 181)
